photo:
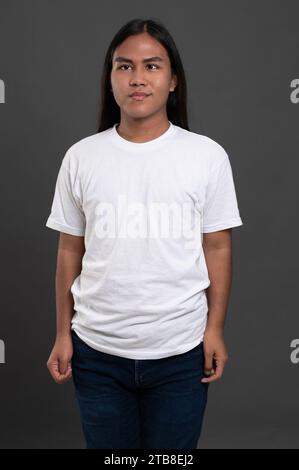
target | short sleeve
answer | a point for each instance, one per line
(220, 209)
(67, 214)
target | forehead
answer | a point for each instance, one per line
(139, 47)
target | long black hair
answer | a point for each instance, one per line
(177, 100)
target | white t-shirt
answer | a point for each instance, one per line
(142, 208)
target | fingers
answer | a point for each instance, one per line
(208, 366)
(63, 366)
(60, 371)
(214, 373)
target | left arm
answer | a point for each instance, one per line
(217, 248)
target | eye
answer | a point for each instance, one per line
(154, 65)
(127, 65)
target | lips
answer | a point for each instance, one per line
(139, 93)
(139, 96)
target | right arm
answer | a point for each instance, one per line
(71, 249)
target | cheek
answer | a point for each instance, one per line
(117, 83)
(161, 85)
(119, 90)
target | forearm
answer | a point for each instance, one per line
(69, 265)
(219, 264)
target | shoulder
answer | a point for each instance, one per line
(83, 150)
(89, 143)
(207, 149)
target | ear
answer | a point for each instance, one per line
(174, 82)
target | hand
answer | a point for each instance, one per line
(59, 362)
(215, 354)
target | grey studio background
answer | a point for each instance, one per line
(241, 62)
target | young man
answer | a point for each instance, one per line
(145, 210)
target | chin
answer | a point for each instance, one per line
(140, 115)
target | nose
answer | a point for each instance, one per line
(137, 77)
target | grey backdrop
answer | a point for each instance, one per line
(240, 59)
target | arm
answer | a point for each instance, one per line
(69, 264)
(217, 248)
(71, 249)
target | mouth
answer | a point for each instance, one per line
(139, 97)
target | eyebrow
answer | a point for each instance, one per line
(150, 59)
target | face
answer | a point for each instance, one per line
(132, 72)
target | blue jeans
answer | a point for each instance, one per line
(149, 404)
